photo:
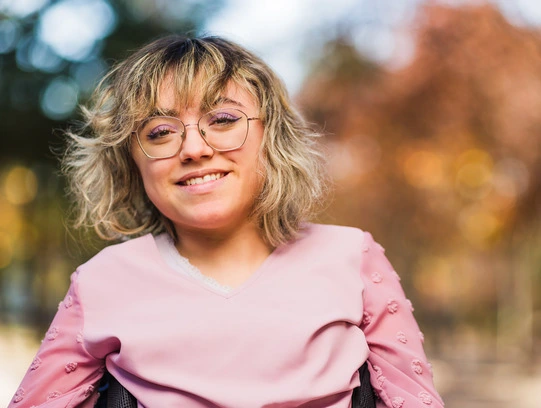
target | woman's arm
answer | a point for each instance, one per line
(399, 370)
(63, 373)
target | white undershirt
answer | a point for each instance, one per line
(172, 257)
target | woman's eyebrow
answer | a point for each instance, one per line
(224, 100)
(164, 112)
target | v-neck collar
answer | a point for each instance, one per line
(194, 275)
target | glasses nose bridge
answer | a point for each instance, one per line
(196, 125)
(201, 139)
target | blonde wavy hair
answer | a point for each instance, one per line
(104, 181)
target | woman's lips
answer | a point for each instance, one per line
(202, 179)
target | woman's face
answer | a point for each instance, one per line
(177, 186)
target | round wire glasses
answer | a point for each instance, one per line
(161, 137)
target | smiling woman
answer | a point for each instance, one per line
(223, 294)
(209, 173)
(184, 82)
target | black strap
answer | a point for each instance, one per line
(114, 395)
(363, 395)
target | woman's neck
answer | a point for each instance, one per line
(228, 257)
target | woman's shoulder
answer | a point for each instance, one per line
(136, 250)
(335, 232)
(118, 268)
(326, 238)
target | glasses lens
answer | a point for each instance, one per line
(224, 129)
(161, 136)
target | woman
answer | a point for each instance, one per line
(226, 296)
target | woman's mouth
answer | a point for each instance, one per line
(200, 180)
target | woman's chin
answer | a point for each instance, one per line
(209, 223)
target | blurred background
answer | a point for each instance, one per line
(432, 116)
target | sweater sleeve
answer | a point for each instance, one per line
(63, 373)
(399, 371)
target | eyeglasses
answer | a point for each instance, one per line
(161, 137)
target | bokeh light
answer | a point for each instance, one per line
(60, 98)
(9, 35)
(87, 74)
(424, 168)
(42, 57)
(22, 54)
(478, 225)
(20, 185)
(21, 8)
(474, 174)
(72, 27)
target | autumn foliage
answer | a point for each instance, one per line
(441, 161)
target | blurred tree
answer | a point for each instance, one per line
(440, 160)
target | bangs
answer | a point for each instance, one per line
(195, 85)
(198, 72)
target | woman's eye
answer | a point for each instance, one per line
(159, 132)
(223, 118)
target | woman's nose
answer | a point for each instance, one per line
(194, 147)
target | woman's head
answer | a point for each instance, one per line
(105, 179)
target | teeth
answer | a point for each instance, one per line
(204, 179)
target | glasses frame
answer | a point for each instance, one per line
(185, 126)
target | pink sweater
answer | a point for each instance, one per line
(294, 334)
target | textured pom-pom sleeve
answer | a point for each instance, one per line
(399, 371)
(63, 373)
